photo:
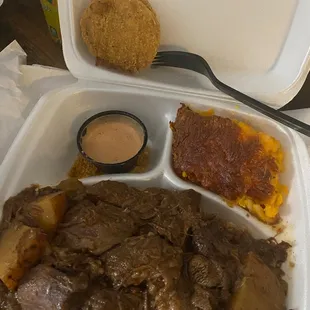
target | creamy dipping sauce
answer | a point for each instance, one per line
(113, 139)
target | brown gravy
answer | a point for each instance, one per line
(113, 139)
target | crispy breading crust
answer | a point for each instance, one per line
(123, 34)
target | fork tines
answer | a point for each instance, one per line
(157, 61)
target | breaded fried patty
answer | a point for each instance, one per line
(231, 159)
(123, 34)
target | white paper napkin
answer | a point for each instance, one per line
(12, 101)
(21, 86)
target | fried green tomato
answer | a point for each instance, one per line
(122, 34)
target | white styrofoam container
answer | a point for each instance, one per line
(45, 149)
(261, 48)
(258, 47)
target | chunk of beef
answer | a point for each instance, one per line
(272, 253)
(47, 288)
(14, 206)
(101, 298)
(45, 212)
(48, 190)
(170, 213)
(176, 214)
(203, 299)
(214, 237)
(213, 284)
(225, 242)
(8, 300)
(94, 228)
(144, 258)
(258, 288)
(207, 273)
(177, 298)
(184, 292)
(227, 245)
(15, 203)
(67, 260)
(74, 189)
(142, 205)
(116, 193)
(149, 259)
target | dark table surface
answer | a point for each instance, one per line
(24, 21)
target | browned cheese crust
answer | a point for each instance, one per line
(214, 153)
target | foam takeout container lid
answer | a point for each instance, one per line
(258, 47)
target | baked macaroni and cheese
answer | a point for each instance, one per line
(231, 159)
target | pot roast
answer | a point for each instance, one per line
(114, 247)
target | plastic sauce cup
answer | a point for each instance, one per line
(115, 167)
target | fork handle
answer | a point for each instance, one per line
(263, 108)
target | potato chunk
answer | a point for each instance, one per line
(45, 212)
(20, 248)
(259, 288)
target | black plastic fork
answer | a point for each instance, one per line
(198, 64)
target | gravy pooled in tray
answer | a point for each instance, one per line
(111, 246)
(231, 159)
